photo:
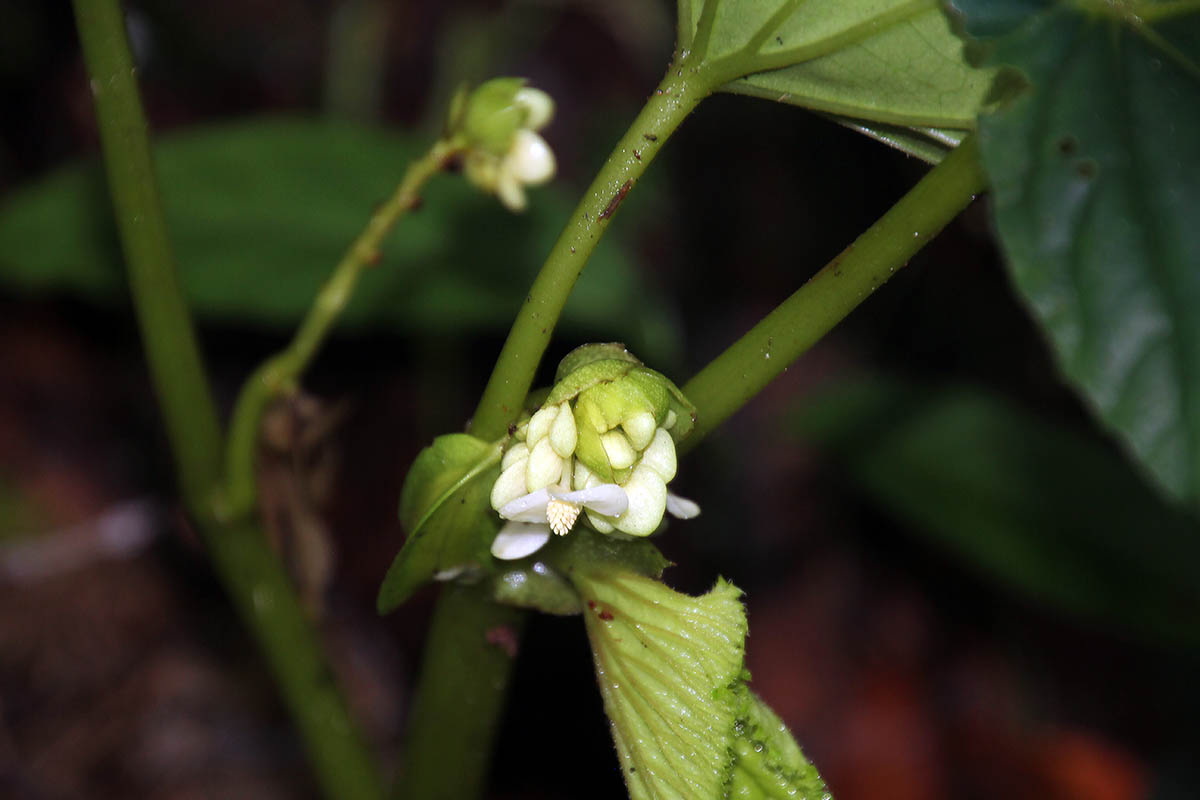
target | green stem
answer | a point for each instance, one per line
(241, 556)
(281, 372)
(683, 88)
(176, 367)
(753, 361)
(463, 681)
(467, 664)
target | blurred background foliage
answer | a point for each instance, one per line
(957, 586)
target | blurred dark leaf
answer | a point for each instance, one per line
(1096, 181)
(1053, 512)
(261, 210)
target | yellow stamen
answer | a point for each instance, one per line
(561, 515)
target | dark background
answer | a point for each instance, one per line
(905, 668)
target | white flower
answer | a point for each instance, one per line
(534, 516)
(523, 159)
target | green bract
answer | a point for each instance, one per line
(443, 508)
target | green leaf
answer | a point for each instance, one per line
(893, 63)
(1095, 176)
(260, 211)
(1051, 512)
(444, 508)
(666, 663)
(767, 761)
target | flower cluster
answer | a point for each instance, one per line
(602, 446)
(498, 122)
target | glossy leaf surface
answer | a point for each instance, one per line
(1096, 181)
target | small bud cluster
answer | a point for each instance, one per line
(498, 123)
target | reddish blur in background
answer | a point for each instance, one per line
(909, 659)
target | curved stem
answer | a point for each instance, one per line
(281, 372)
(770, 347)
(683, 88)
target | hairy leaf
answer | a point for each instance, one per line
(768, 764)
(1095, 174)
(667, 664)
(445, 511)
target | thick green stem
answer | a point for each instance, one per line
(468, 660)
(281, 372)
(753, 361)
(241, 556)
(683, 88)
(464, 678)
(176, 367)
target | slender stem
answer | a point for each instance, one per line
(683, 88)
(241, 556)
(176, 367)
(467, 664)
(281, 372)
(753, 361)
(268, 605)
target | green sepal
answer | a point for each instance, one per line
(532, 583)
(444, 508)
(491, 118)
(587, 353)
(652, 386)
(587, 377)
(589, 449)
(542, 581)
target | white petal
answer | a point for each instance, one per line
(640, 429)
(514, 454)
(584, 477)
(530, 159)
(540, 423)
(545, 467)
(620, 452)
(647, 494)
(563, 435)
(607, 498)
(681, 507)
(519, 539)
(600, 523)
(670, 421)
(528, 507)
(660, 455)
(510, 485)
(510, 191)
(539, 106)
